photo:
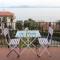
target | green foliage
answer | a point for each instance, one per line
(31, 24)
(19, 25)
(56, 31)
(56, 34)
(44, 34)
(12, 33)
(26, 24)
(56, 39)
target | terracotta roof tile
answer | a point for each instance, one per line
(6, 13)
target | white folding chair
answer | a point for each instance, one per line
(13, 44)
(44, 43)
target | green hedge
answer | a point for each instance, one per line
(13, 33)
(55, 34)
(56, 39)
(56, 30)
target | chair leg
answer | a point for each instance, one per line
(18, 55)
(42, 52)
(9, 52)
(48, 53)
(38, 50)
(22, 51)
(14, 51)
(45, 50)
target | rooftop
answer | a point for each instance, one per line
(6, 13)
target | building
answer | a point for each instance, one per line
(44, 26)
(6, 18)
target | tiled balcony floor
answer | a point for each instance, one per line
(29, 55)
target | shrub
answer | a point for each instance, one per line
(56, 34)
(12, 33)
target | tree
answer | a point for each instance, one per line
(19, 25)
(26, 23)
(31, 24)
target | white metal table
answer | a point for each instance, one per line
(28, 34)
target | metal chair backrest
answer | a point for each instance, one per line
(43, 41)
(12, 42)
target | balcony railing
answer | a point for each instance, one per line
(42, 27)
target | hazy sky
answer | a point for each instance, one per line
(4, 3)
(47, 14)
(38, 14)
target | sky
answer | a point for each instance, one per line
(49, 12)
(7, 3)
